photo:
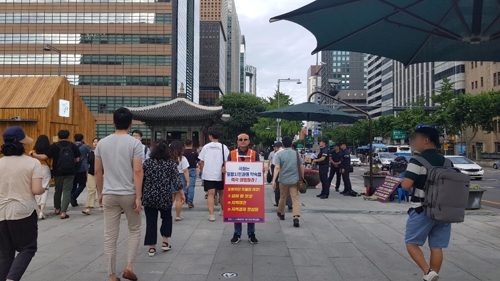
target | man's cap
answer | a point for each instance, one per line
(16, 134)
(278, 144)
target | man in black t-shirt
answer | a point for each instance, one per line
(63, 180)
(191, 155)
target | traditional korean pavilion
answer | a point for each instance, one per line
(179, 119)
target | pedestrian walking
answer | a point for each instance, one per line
(138, 135)
(65, 155)
(345, 167)
(176, 151)
(322, 161)
(161, 177)
(289, 167)
(42, 146)
(244, 154)
(335, 161)
(82, 168)
(91, 184)
(191, 155)
(419, 226)
(20, 180)
(277, 195)
(120, 155)
(212, 158)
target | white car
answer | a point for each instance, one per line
(355, 161)
(466, 166)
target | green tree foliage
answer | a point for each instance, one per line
(265, 128)
(243, 109)
(445, 103)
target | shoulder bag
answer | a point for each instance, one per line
(302, 184)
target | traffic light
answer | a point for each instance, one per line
(319, 128)
(309, 132)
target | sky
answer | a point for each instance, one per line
(278, 50)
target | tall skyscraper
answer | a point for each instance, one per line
(313, 83)
(251, 73)
(243, 60)
(344, 74)
(133, 53)
(233, 49)
(380, 90)
(213, 50)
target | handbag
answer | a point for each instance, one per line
(302, 183)
(269, 177)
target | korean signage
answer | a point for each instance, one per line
(244, 192)
(385, 190)
(399, 134)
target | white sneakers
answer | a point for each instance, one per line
(211, 218)
(178, 218)
(221, 213)
(431, 276)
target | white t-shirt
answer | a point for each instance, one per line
(145, 153)
(274, 158)
(183, 165)
(211, 154)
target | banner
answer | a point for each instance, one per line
(244, 192)
(385, 190)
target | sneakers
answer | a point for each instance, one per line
(431, 276)
(252, 239)
(211, 218)
(191, 205)
(178, 218)
(296, 222)
(236, 239)
(216, 200)
(221, 212)
(282, 217)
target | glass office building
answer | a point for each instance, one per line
(116, 53)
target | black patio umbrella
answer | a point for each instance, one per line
(409, 31)
(309, 111)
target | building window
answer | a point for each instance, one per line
(126, 60)
(494, 79)
(475, 64)
(472, 65)
(103, 80)
(482, 82)
(106, 105)
(475, 84)
(472, 85)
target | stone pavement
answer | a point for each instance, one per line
(342, 238)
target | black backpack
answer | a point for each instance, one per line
(66, 161)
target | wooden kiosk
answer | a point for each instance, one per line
(43, 106)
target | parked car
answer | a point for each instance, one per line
(399, 164)
(355, 161)
(384, 158)
(496, 164)
(466, 166)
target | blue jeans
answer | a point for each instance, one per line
(192, 182)
(250, 229)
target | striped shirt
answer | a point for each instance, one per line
(418, 173)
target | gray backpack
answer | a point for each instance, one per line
(446, 192)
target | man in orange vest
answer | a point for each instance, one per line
(244, 154)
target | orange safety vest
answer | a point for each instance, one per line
(249, 157)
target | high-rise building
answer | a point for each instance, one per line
(380, 90)
(481, 77)
(213, 50)
(233, 49)
(243, 76)
(121, 53)
(251, 73)
(313, 83)
(344, 74)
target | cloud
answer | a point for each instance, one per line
(278, 50)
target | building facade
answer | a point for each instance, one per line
(313, 84)
(121, 53)
(481, 77)
(233, 49)
(251, 73)
(380, 89)
(243, 60)
(213, 50)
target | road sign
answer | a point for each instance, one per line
(399, 134)
(316, 132)
(300, 145)
(309, 139)
(445, 146)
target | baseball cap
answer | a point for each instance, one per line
(16, 134)
(278, 143)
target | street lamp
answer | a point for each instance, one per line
(49, 48)
(278, 128)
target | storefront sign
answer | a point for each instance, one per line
(385, 190)
(244, 192)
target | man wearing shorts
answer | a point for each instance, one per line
(212, 158)
(419, 226)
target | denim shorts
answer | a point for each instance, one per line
(419, 227)
(183, 181)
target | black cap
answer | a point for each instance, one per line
(278, 144)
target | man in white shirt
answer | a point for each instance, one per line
(212, 158)
(145, 150)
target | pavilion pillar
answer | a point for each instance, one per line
(153, 136)
(164, 133)
(201, 136)
(190, 134)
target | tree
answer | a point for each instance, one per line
(243, 109)
(265, 128)
(444, 102)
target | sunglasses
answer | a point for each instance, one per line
(242, 139)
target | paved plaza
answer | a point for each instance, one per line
(342, 238)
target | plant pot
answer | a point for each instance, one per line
(312, 180)
(475, 196)
(377, 180)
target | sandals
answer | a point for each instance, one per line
(165, 246)
(101, 209)
(152, 252)
(86, 212)
(65, 217)
(57, 212)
